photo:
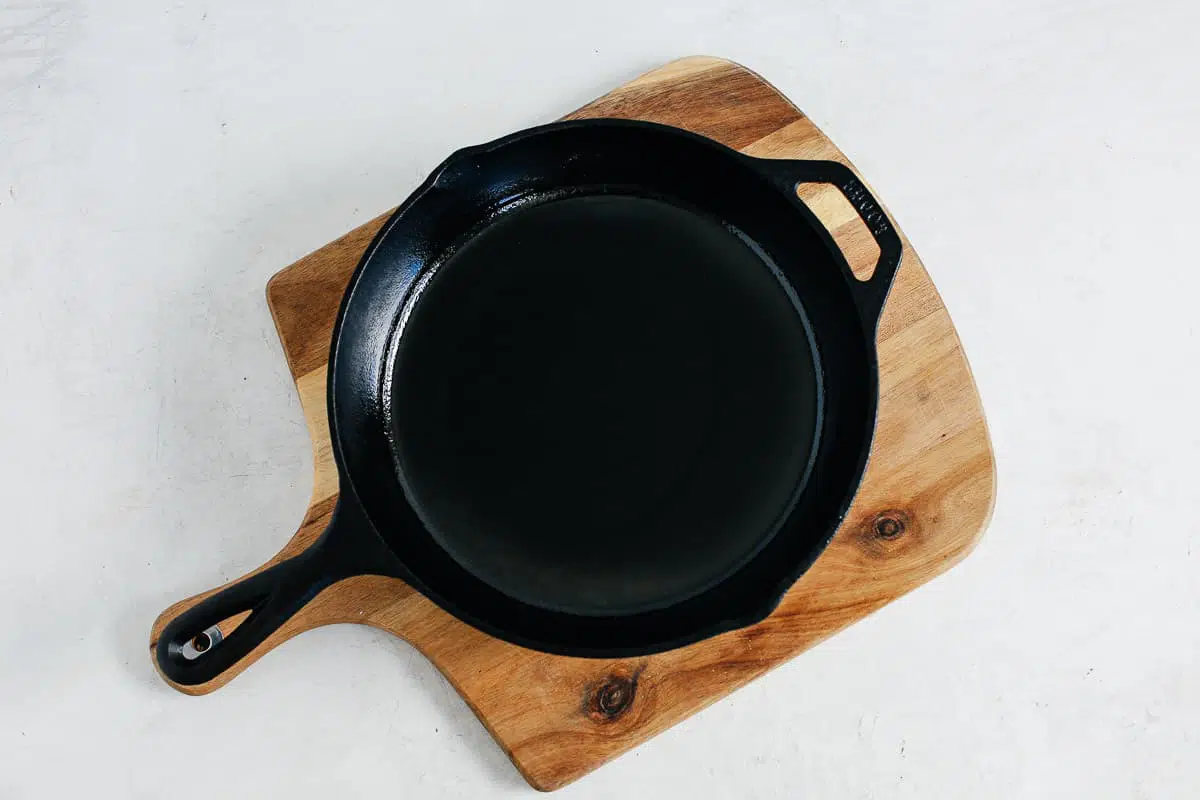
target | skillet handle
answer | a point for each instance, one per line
(871, 294)
(192, 650)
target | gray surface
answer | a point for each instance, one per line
(158, 162)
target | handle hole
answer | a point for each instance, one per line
(210, 637)
(845, 225)
(201, 643)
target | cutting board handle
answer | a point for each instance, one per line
(870, 294)
(196, 647)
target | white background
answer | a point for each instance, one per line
(160, 161)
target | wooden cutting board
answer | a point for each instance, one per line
(923, 504)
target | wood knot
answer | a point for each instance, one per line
(611, 698)
(886, 532)
(890, 524)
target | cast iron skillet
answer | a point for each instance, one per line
(599, 388)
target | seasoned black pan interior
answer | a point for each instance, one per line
(602, 404)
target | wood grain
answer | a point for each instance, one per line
(924, 502)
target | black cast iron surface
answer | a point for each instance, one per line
(599, 388)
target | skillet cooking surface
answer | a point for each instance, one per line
(604, 403)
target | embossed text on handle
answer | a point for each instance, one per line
(861, 199)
